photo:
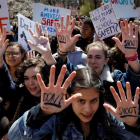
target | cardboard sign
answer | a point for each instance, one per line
(23, 34)
(4, 17)
(47, 15)
(138, 11)
(123, 8)
(104, 21)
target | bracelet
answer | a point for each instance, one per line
(133, 58)
(61, 51)
(62, 54)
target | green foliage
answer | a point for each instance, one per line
(86, 8)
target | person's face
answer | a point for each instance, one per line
(13, 56)
(30, 81)
(86, 106)
(87, 32)
(96, 59)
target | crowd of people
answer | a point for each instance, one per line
(73, 86)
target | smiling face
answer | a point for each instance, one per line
(31, 82)
(86, 106)
(96, 59)
(13, 56)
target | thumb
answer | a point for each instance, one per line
(32, 45)
(75, 38)
(110, 108)
(117, 41)
(73, 98)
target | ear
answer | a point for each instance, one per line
(106, 61)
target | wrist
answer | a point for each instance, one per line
(132, 58)
(62, 53)
(135, 124)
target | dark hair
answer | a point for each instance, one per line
(89, 21)
(87, 78)
(76, 31)
(35, 62)
(22, 50)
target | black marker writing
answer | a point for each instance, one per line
(125, 112)
(129, 43)
(62, 39)
(52, 99)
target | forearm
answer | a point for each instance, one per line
(1, 62)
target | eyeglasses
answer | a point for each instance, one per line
(8, 54)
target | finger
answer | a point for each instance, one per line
(122, 28)
(33, 54)
(136, 31)
(52, 76)
(4, 34)
(46, 33)
(73, 98)
(37, 29)
(136, 97)
(131, 28)
(61, 24)
(76, 37)
(121, 91)
(56, 28)
(32, 45)
(40, 82)
(41, 31)
(37, 55)
(28, 57)
(117, 42)
(110, 108)
(115, 95)
(67, 22)
(61, 76)
(33, 35)
(126, 27)
(68, 80)
(128, 91)
(72, 26)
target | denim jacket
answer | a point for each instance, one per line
(20, 130)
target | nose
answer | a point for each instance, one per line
(93, 60)
(31, 82)
(88, 107)
(11, 55)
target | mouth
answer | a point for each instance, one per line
(87, 116)
(32, 89)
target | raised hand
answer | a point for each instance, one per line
(64, 34)
(53, 97)
(3, 42)
(31, 54)
(127, 110)
(42, 42)
(129, 42)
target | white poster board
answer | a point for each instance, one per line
(23, 34)
(104, 21)
(47, 15)
(4, 17)
(138, 11)
(123, 8)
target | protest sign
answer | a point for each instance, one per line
(47, 15)
(104, 21)
(138, 11)
(123, 8)
(4, 17)
(23, 34)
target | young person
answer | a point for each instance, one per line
(17, 99)
(82, 115)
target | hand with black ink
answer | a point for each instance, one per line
(127, 110)
(53, 98)
(129, 42)
(42, 44)
(3, 45)
(65, 41)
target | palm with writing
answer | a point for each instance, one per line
(3, 42)
(42, 42)
(127, 110)
(53, 97)
(129, 42)
(64, 38)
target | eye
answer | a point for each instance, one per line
(89, 56)
(94, 100)
(25, 78)
(98, 57)
(81, 101)
(35, 78)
